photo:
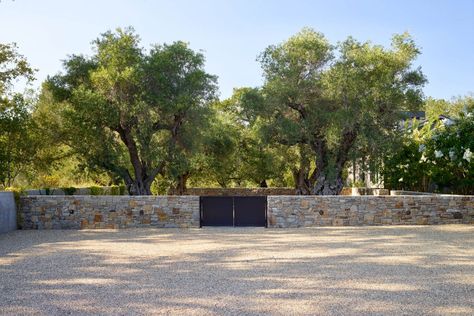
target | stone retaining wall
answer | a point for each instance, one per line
(310, 211)
(80, 212)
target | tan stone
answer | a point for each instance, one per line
(98, 218)
(368, 218)
(338, 222)
(422, 221)
(84, 223)
(304, 203)
(272, 220)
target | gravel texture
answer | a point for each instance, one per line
(349, 271)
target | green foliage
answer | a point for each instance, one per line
(130, 112)
(14, 66)
(322, 100)
(450, 156)
(16, 142)
(403, 169)
(150, 119)
(95, 190)
(438, 156)
(69, 190)
(122, 189)
(253, 159)
(114, 190)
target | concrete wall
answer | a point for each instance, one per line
(310, 211)
(7, 212)
(80, 212)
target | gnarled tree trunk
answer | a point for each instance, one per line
(326, 186)
(326, 178)
(181, 186)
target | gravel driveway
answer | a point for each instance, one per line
(355, 270)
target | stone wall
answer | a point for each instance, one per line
(80, 212)
(310, 211)
(7, 212)
(237, 191)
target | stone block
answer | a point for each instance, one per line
(422, 221)
(98, 218)
(338, 222)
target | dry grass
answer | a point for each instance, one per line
(356, 270)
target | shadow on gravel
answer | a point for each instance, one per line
(363, 270)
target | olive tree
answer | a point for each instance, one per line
(16, 144)
(128, 110)
(322, 98)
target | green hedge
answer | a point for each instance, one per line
(95, 190)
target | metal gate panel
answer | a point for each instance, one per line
(233, 211)
(217, 211)
(250, 211)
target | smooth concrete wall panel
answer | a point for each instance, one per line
(7, 212)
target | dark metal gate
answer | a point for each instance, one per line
(233, 211)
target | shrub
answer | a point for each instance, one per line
(69, 190)
(95, 190)
(114, 190)
(122, 189)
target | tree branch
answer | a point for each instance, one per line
(299, 108)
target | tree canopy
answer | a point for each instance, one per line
(322, 98)
(135, 116)
(15, 114)
(127, 110)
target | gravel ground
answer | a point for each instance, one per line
(352, 270)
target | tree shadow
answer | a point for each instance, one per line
(396, 270)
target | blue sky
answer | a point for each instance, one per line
(232, 33)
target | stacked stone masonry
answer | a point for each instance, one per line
(82, 212)
(311, 211)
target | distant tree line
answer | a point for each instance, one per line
(151, 119)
